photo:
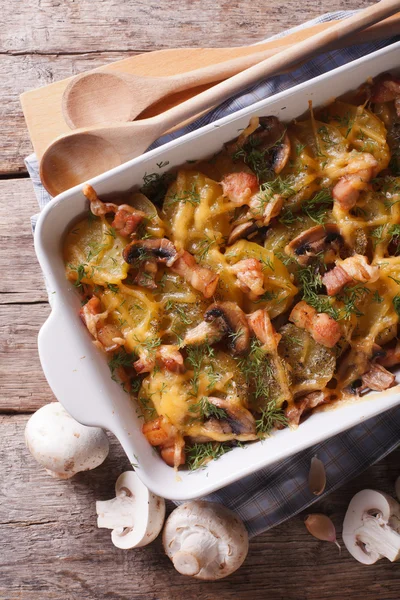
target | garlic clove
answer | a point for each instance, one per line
(317, 476)
(322, 528)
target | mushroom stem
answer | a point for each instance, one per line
(198, 549)
(377, 536)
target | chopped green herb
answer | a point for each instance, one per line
(270, 417)
(198, 455)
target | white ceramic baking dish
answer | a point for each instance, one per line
(78, 373)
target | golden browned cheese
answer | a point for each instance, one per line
(198, 218)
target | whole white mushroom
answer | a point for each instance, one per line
(205, 540)
(63, 446)
(371, 527)
(135, 515)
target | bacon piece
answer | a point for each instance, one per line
(127, 219)
(387, 89)
(353, 268)
(160, 432)
(323, 328)
(335, 280)
(239, 187)
(391, 357)
(166, 356)
(357, 268)
(98, 208)
(202, 279)
(250, 278)
(378, 378)
(359, 173)
(263, 329)
(110, 337)
(170, 358)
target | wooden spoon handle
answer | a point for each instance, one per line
(290, 56)
(228, 68)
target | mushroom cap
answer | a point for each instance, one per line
(233, 322)
(205, 540)
(366, 506)
(62, 445)
(135, 515)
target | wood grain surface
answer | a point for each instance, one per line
(50, 548)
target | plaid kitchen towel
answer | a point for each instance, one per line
(276, 493)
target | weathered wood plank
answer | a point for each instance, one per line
(112, 25)
(23, 387)
(21, 278)
(51, 547)
(40, 44)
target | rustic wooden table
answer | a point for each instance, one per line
(50, 547)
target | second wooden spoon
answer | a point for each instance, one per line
(101, 96)
(73, 158)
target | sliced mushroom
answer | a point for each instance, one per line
(161, 249)
(204, 333)
(232, 320)
(371, 527)
(238, 418)
(243, 230)
(205, 540)
(313, 241)
(302, 405)
(271, 139)
(135, 515)
(265, 209)
(63, 446)
(377, 378)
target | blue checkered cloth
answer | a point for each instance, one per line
(280, 491)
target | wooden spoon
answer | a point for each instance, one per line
(99, 97)
(87, 152)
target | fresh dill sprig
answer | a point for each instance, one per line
(195, 356)
(191, 196)
(204, 247)
(396, 304)
(198, 455)
(257, 371)
(113, 287)
(350, 298)
(120, 358)
(155, 185)
(80, 274)
(206, 409)
(269, 418)
(310, 282)
(317, 207)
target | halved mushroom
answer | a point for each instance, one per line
(270, 139)
(135, 515)
(205, 540)
(313, 241)
(160, 249)
(239, 419)
(232, 321)
(371, 527)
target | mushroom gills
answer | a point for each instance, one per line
(371, 527)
